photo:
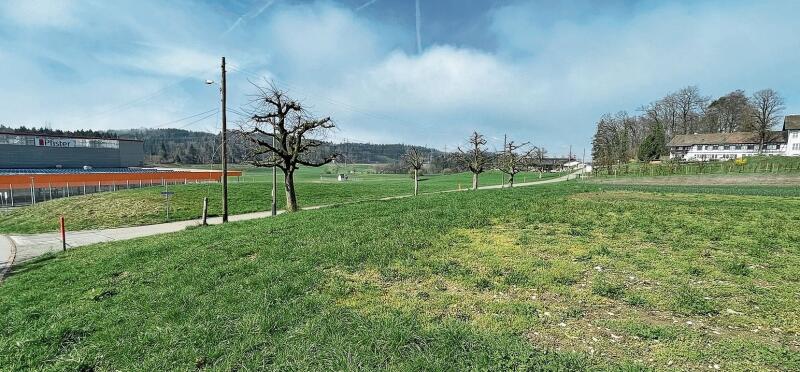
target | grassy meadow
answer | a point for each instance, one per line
(570, 276)
(249, 193)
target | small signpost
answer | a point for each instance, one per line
(167, 197)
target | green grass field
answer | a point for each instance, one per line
(250, 193)
(571, 276)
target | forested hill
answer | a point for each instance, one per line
(169, 146)
(58, 132)
(163, 146)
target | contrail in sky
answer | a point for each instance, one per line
(419, 36)
(368, 3)
(249, 15)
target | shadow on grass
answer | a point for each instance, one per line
(32, 264)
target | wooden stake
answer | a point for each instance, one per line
(63, 233)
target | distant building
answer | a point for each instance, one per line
(553, 164)
(57, 151)
(725, 146)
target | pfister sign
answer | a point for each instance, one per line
(55, 142)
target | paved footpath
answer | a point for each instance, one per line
(8, 252)
(19, 248)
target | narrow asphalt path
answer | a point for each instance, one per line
(20, 248)
(8, 253)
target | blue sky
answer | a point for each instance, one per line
(540, 71)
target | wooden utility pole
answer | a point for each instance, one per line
(345, 155)
(505, 140)
(224, 147)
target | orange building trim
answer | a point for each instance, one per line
(41, 180)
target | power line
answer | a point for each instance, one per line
(184, 118)
(198, 120)
(136, 101)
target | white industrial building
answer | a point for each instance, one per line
(725, 146)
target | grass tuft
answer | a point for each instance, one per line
(691, 301)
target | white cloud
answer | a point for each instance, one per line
(40, 13)
(321, 39)
(166, 60)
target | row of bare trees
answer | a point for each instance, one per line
(622, 136)
(283, 134)
(476, 157)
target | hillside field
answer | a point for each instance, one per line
(569, 276)
(250, 193)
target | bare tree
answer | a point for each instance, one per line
(690, 108)
(282, 134)
(514, 159)
(767, 106)
(475, 157)
(609, 143)
(415, 159)
(669, 108)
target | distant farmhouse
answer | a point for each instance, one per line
(725, 146)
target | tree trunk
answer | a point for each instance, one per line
(474, 181)
(511, 180)
(416, 182)
(291, 197)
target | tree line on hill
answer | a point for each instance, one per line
(47, 130)
(623, 137)
(180, 146)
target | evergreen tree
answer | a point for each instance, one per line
(654, 145)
